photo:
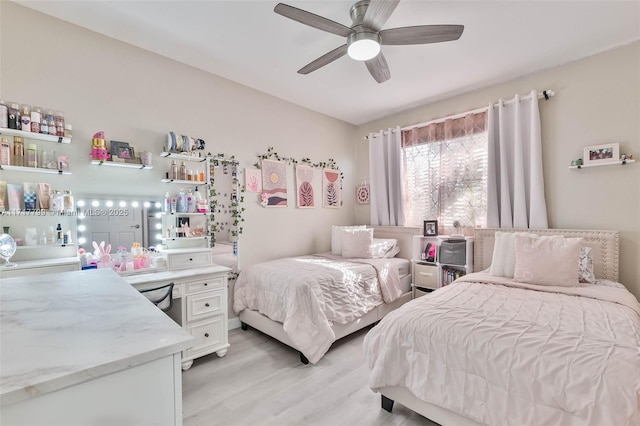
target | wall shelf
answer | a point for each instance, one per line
(610, 163)
(184, 157)
(125, 165)
(184, 182)
(35, 136)
(184, 214)
(206, 237)
(35, 170)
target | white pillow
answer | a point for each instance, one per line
(503, 261)
(357, 243)
(547, 260)
(384, 248)
(336, 237)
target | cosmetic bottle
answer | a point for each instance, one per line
(5, 152)
(167, 203)
(191, 202)
(182, 171)
(173, 171)
(181, 202)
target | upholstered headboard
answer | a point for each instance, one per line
(404, 235)
(604, 246)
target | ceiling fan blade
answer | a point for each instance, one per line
(421, 34)
(378, 12)
(312, 20)
(323, 60)
(378, 68)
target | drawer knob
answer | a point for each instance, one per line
(191, 259)
(206, 284)
(206, 334)
(206, 304)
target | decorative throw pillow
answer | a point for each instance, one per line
(384, 248)
(336, 237)
(585, 266)
(503, 261)
(357, 243)
(547, 260)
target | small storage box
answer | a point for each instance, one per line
(453, 252)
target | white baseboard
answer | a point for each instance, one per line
(233, 323)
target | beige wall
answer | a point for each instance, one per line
(138, 96)
(597, 101)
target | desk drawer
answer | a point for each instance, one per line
(209, 336)
(205, 284)
(425, 275)
(188, 260)
(204, 305)
(10, 273)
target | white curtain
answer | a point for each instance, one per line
(385, 169)
(515, 191)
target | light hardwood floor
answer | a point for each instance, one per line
(262, 382)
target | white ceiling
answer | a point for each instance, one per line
(245, 41)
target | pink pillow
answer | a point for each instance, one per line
(547, 260)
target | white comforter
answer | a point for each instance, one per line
(515, 354)
(309, 293)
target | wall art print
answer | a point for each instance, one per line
(331, 189)
(363, 194)
(304, 187)
(252, 180)
(274, 183)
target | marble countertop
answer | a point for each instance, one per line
(28, 264)
(61, 329)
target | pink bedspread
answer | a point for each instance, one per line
(505, 353)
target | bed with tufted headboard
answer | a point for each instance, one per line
(493, 350)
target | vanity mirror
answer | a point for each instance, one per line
(121, 222)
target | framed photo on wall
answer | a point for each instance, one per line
(600, 154)
(430, 228)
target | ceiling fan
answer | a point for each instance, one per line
(365, 36)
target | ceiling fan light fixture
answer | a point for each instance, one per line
(363, 45)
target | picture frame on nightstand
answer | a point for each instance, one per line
(430, 228)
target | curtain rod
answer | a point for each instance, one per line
(546, 94)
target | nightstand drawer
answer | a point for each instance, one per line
(425, 275)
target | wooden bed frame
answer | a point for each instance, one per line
(605, 247)
(404, 235)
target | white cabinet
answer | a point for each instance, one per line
(435, 266)
(200, 299)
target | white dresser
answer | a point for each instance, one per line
(200, 299)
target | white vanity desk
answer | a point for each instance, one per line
(200, 299)
(42, 266)
(84, 347)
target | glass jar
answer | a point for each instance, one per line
(18, 151)
(68, 130)
(14, 116)
(48, 159)
(36, 119)
(51, 122)
(68, 202)
(59, 120)
(32, 155)
(25, 118)
(4, 115)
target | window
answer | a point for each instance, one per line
(445, 173)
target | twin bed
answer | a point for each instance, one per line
(496, 350)
(308, 302)
(521, 342)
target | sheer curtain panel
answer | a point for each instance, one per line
(385, 178)
(515, 191)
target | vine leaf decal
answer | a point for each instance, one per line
(306, 195)
(332, 195)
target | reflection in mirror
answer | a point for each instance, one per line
(123, 222)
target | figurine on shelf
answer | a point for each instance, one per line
(98, 148)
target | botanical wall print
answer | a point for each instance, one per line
(331, 188)
(253, 180)
(304, 185)
(274, 183)
(363, 194)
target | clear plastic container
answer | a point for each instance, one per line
(68, 203)
(68, 130)
(59, 120)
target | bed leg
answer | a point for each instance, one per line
(387, 403)
(244, 326)
(303, 359)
